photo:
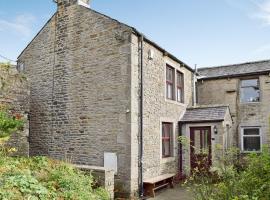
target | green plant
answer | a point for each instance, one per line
(228, 181)
(42, 178)
(9, 124)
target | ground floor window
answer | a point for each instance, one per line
(251, 139)
(167, 135)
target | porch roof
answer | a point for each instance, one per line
(205, 114)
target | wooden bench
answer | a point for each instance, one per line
(153, 184)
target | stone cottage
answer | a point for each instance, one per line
(103, 94)
(246, 89)
(89, 104)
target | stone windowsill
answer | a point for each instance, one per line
(175, 102)
(167, 160)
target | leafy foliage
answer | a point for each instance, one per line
(9, 124)
(234, 180)
(42, 178)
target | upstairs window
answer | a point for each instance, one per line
(251, 139)
(167, 135)
(250, 91)
(170, 83)
(180, 87)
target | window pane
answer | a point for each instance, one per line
(169, 74)
(179, 95)
(251, 82)
(179, 79)
(197, 141)
(252, 131)
(167, 131)
(166, 148)
(163, 129)
(250, 94)
(250, 91)
(169, 91)
(204, 142)
(252, 143)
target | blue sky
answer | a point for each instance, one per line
(202, 32)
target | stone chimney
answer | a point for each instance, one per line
(66, 3)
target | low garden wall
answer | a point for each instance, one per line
(103, 177)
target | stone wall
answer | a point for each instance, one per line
(226, 91)
(103, 177)
(158, 109)
(79, 68)
(14, 93)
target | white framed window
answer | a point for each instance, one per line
(251, 140)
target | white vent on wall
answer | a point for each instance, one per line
(85, 3)
(110, 161)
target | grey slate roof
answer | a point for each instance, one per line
(200, 114)
(258, 67)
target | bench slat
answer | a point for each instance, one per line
(161, 186)
(159, 178)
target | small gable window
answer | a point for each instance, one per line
(250, 90)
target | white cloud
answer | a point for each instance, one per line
(262, 49)
(263, 11)
(20, 25)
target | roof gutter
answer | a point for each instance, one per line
(202, 121)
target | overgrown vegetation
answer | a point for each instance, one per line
(9, 123)
(37, 178)
(43, 178)
(236, 177)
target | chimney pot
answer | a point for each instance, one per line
(66, 3)
(85, 3)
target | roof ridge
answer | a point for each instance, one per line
(237, 64)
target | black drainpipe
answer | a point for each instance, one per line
(141, 122)
(180, 164)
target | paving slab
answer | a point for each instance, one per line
(177, 193)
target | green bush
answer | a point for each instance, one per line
(250, 181)
(43, 178)
(9, 124)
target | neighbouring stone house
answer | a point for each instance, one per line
(246, 89)
(103, 94)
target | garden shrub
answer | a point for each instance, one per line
(228, 181)
(43, 178)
